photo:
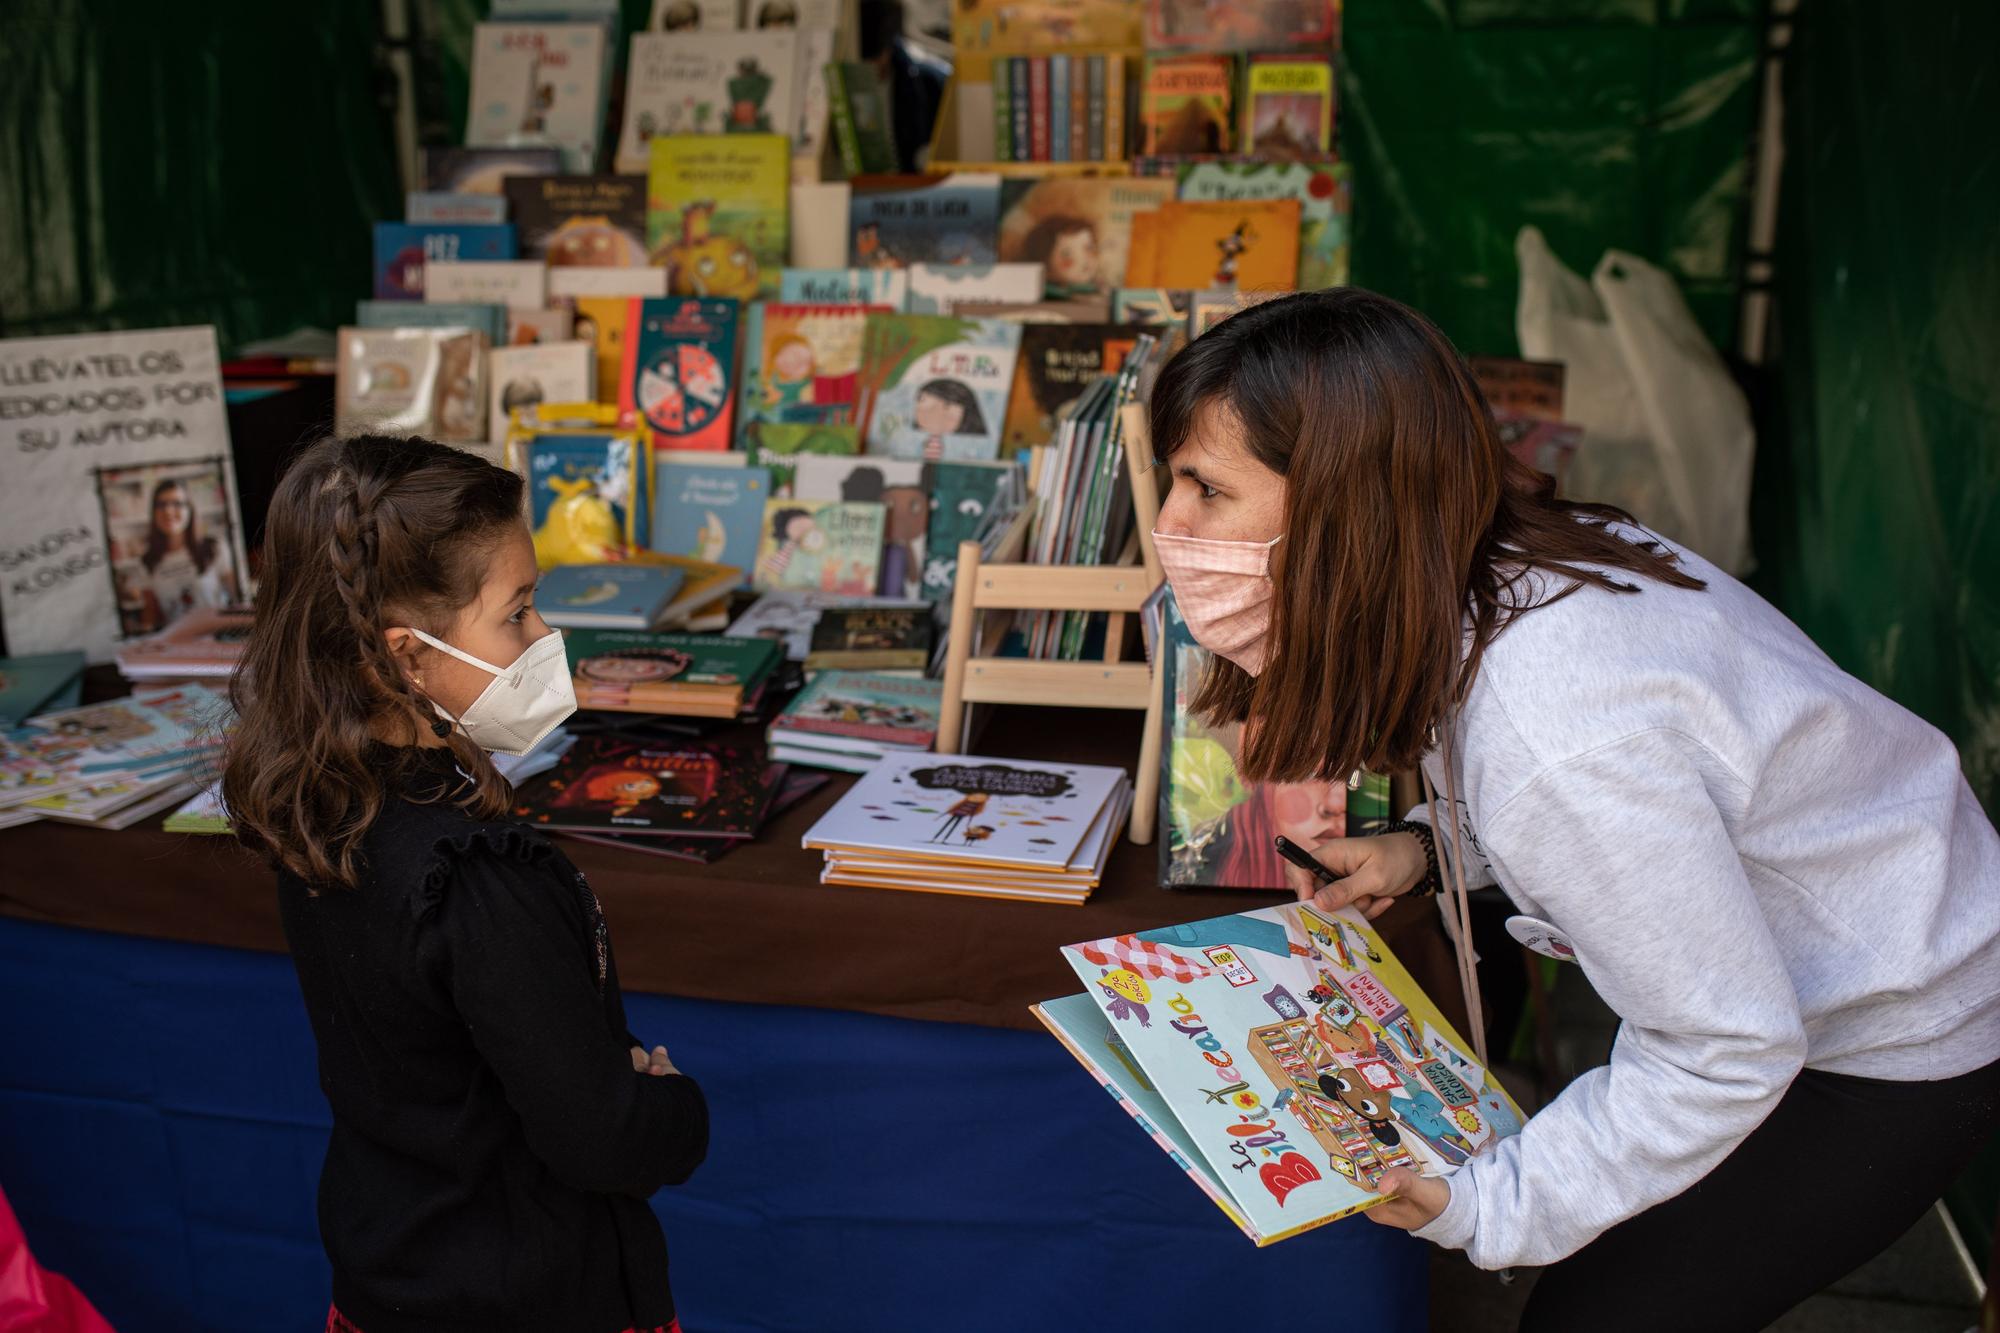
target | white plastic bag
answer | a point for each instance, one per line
(1667, 434)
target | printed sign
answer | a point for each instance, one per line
(1374, 997)
(1232, 967)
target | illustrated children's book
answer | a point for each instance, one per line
(1057, 363)
(833, 546)
(860, 638)
(418, 381)
(1264, 25)
(1283, 1058)
(1186, 105)
(586, 496)
(688, 16)
(801, 363)
(895, 483)
(481, 170)
(706, 83)
(711, 513)
(787, 616)
(1288, 107)
(896, 221)
(696, 789)
(887, 287)
(779, 447)
(28, 685)
(600, 321)
(961, 496)
(861, 128)
(1252, 245)
(716, 212)
(1324, 195)
(861, 715)
(935, 386)
(942, 289)
(402, 249)
(521, 377)
(619, 596)
(702, 675)
(598, 221)
(1216, 830)
(1079, 229)
(539, 84)
(679, 357)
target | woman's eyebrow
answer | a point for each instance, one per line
(1188, 470)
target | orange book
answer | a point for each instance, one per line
(600, 321)
(1142, 256)
(1250, 245)
(1115, 149)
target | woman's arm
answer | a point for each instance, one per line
(1626, 852)
(523, 977)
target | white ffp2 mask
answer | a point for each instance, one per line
(525, 702)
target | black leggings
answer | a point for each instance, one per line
(1840, 1169)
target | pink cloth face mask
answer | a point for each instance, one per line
(1224, 593)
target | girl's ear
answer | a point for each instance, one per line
(404, 647)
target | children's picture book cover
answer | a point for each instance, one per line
(618, 660)
(586, 496)
(597, 221)
(885, 287)
(999, 812)
(717, 212)
(936, 386)
(1216, 830)
(484, 170)
(802, 362)
(895, 483)
(851, 638)
(711, 513)
(1152, 305)
(1248, 244)
(706, 83)
(1185, 105)
(830, 545)
(1057, 363)
(1288, 108)
(416, 381)
(961, 495)
(787, 616)
(705, 789)
(869, 706)
(1325, 206)
(402, 249)
(1078, 228)
(897, 221)
(600, 321)
(1283, 1058)
(539, 84)
(941, 289)
(779, 445)
(613, 596)
(679, 357)
(525, 377)
(862, 131)
(513, 284)
(1246, 25)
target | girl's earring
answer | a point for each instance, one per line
(440, 728)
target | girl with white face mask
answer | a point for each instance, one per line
(1778, 878)
(496, 1128)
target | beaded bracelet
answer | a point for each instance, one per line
(1423, 833)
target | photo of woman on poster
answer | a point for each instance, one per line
(167, 533)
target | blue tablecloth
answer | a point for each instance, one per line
(161, 1129)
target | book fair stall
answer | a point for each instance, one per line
(823, 344)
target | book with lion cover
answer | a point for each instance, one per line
(1283, 1058)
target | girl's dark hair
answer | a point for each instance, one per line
(201, 547)
(363, 534)
(973, 422)
(1041, 239)
(1406, 523)
(782, 519)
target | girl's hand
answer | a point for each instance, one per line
(1414, 1200)
(1372, 872)
(656, 1063)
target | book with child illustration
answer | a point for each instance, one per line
(935, 386)
(831, 545)
(1282, 1057)
(800, 364)
(1079, 229)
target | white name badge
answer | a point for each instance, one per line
(1542, 937)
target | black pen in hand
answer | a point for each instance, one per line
(1303, 859)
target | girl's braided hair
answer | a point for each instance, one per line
(364, 533)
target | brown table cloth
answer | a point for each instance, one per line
(757, 926)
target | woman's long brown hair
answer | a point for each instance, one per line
(1408, 526)
(363, 534)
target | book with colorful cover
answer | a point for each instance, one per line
(457, 170)
(1078, 228)
(693, 789)
(779, 446)
(801, 364)
(961, 495)
(585, 491)
(680, 358)
(897, 484)
(1288, 107)
(886, 287)
(1251, 245)
(151, 729)
(645, 663)
(402, 249)
(28, 684)
(717, 211)
(539, 84)
(1186, 105)
(525, 377)
(897, 221)
(941, 289)
(1057, 363)
(599, 221)
(601, 321)
(628, 595)
(1325, 203)
(1044, 25)
(936, 386)
(793, 786)
(707, 83)
(435, 206)
(487, 318)
(1244, 25)
(834, 546)
(1316, 1035)
(711, 513)
(1152, 305)
(862, 711)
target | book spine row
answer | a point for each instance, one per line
(1017, 78)
(1003, 110)
(1059, 108)
(846, 134)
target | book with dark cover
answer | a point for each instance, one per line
(599, 221)
(482, 170)
(696, 789)
(793, 787)
(872, 638)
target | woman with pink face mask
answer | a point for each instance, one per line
(1779, 879)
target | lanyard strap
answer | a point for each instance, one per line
(1453, 880)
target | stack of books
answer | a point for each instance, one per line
(204, 644)
(986, 828)
(111, 765)
(678, 675)
(38, 684)
(849, 719)
(653, 593)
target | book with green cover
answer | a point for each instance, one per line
(860, 118)
(779, 445)
(634, 661)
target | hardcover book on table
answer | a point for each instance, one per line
(1078, 228)
(935, 386)
(711, 513)
(786, 616)
(695, 789)
(402, 249)
(897, 221)
(828, 545)
(707, 83)
(608, 596)
(583, 481)
(542, 84)
(864, 713)
(716, 212)
(482, 170)
(886, 287)
(1325, 204)
(680, 355)
(1321, 1044)
(872, 639)
(685, 675)
(596, 221)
